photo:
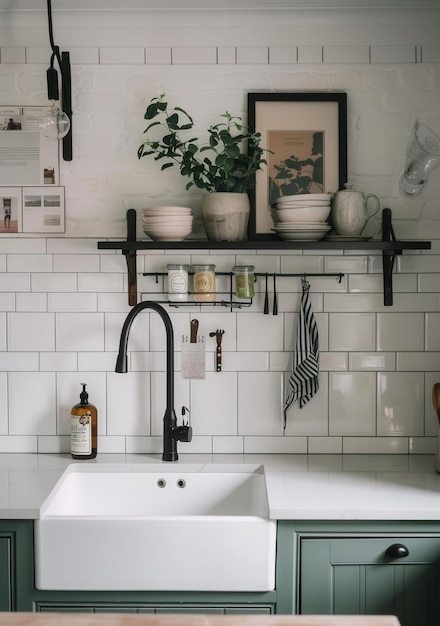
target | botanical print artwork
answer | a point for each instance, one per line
(296, 162)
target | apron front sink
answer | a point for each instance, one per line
(155, 527)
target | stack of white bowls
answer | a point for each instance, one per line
(167, 223)
(302, 216)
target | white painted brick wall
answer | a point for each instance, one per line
(63, 302)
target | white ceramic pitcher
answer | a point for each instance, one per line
(350, 211)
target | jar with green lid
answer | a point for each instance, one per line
(244, 279)
(204, 282)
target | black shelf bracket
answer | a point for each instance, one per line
(130, 257)
(388, 257)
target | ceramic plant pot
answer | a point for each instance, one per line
(226, 215)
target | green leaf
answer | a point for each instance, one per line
(165, 166)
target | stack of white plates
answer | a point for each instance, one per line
(167, 223)
(301, 231)
(302, 216)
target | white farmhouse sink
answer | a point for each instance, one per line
(156, 527)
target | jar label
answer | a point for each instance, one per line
(81, 433)
(204, 281)
(178, 283)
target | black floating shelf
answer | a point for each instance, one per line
(389, 246)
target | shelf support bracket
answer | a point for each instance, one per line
(388, 257)
(130, 257)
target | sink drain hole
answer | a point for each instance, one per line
(181, 483)
(161, 483)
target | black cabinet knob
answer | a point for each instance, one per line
(397, 551)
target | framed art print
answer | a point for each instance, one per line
(305, 135)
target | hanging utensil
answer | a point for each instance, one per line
(266, 300)
(218, 353)
(436, 400)
(275, 299)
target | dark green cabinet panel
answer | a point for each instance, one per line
(16, 565)
(354, 575)
(5, 574)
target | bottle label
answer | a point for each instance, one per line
(81, 433)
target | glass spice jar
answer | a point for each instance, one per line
(177, 282)
(204, 283)
(244, 281)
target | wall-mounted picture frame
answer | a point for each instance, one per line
(306, 138)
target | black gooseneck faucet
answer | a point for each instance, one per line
(172, 433)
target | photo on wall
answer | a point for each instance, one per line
(43, 210)
(10, 210)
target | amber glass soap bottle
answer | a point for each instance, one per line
(84, 428)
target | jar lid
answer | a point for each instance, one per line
(243, 268)
(177, 266)
(203, 268)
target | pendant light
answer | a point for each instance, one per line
(57, 124)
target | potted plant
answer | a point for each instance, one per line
(221, 167)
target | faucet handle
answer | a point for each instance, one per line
(182, 433)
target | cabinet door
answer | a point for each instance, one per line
(356, 576)
(5, 574)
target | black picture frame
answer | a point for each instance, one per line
(309, 119)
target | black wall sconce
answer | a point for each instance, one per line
(57, 124)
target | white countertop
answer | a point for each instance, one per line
(300, 487)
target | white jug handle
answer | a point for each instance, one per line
(377, 203)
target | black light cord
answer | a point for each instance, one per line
(53, 92)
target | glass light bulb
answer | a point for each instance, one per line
(54, 125)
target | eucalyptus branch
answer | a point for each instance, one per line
(219, 165)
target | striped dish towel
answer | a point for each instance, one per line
(303, 380)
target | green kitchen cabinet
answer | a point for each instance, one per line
(16, 565)
(365, 568)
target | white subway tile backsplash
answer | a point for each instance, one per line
(400, 401)
(375, 445)
(260, 403)
(30, 263)
(14, 443)
(3, 403)
(79, 332)
(3, 347)
(75, 263)
(346, 54)
(59, 302)
(226, 55)
(196, 55)
(252, 54)
(19, 361)
(393, 54)
(310, 54)
(372, 361)
(122, 56)
(31, 302)
(214, 404)
(36, 390)
(48, 282)
(13, 54)
(58, 361)
(283, 54)
(158, 56)
(256, 332)
(325, 445)
(128, 404)
(14, 282)
(352, 332)
(31, 332)
(352, 403)
(392, 331)
(275, 445)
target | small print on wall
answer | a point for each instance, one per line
(296, 163)
(43, 210)
(10, 210)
